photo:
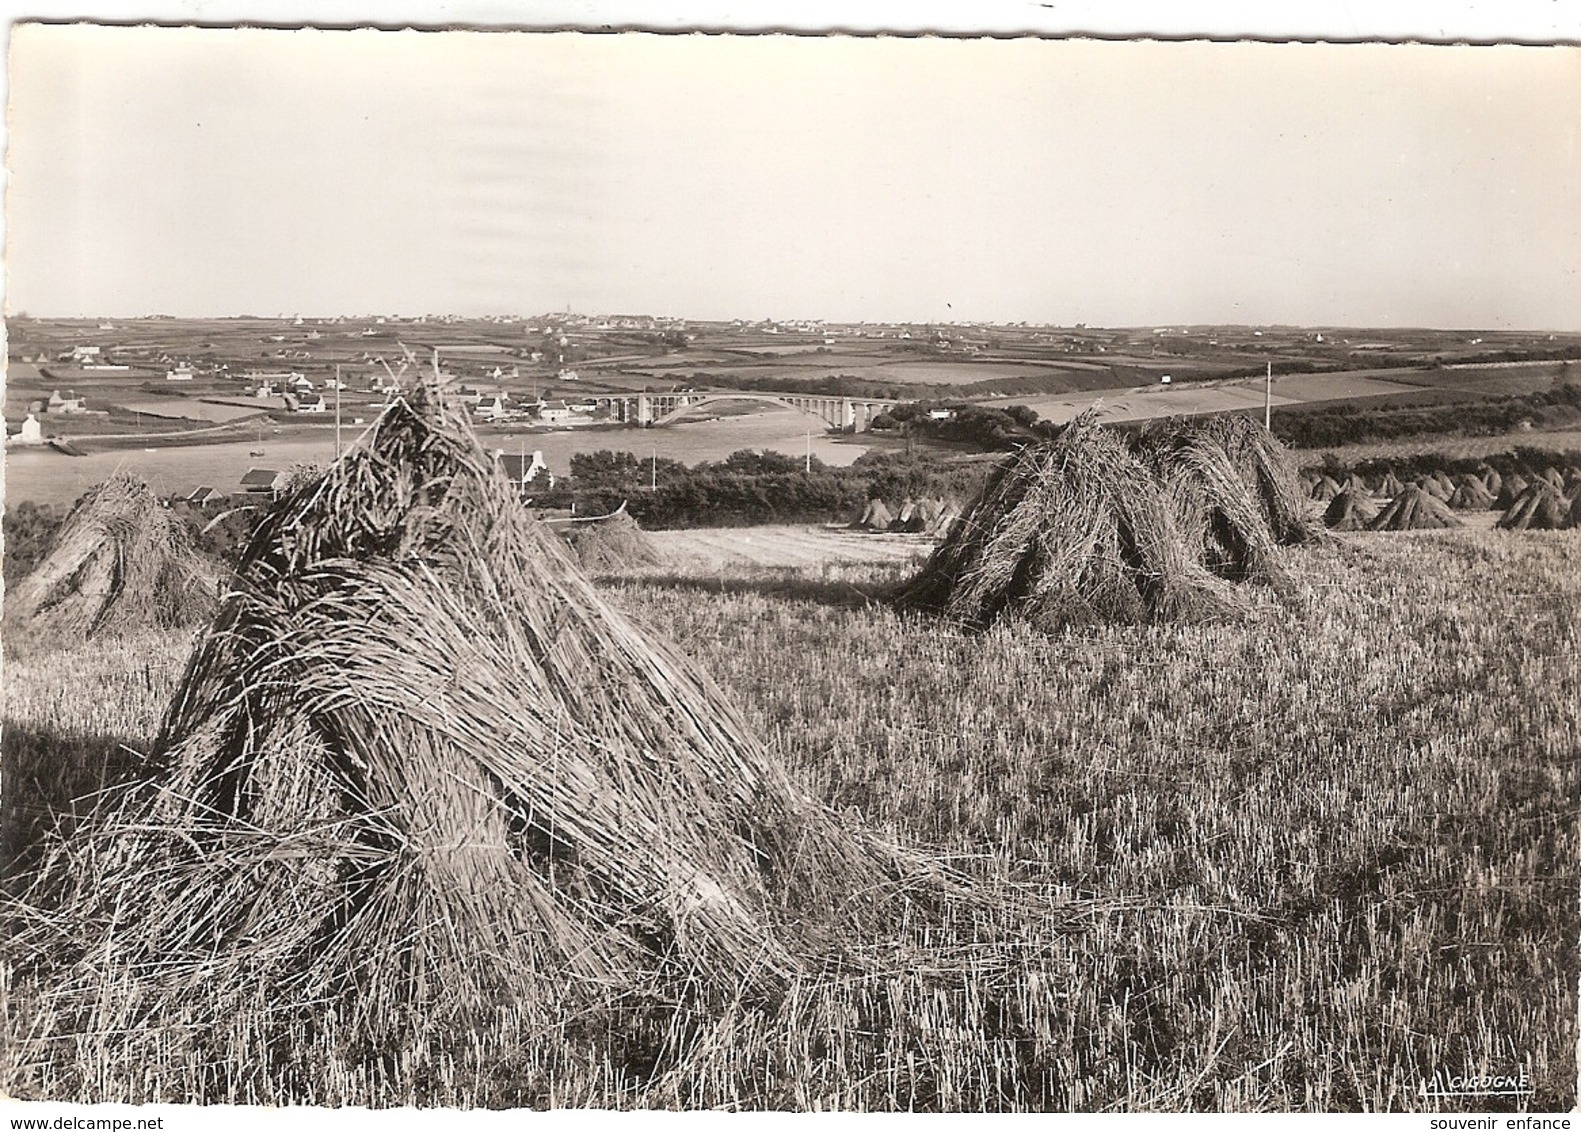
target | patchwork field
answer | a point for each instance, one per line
(1154, 401)
(210, 411)
(1510, 379)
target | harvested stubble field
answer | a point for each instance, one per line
(705, 552)
(1297, 861)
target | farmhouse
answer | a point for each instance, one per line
(182, 372)
(203, 496)
(522, 470)
(262, 481)
(312, 403)
(70, 403)
(554, 411)
(492, 409)
(32, 432)
(82, 355)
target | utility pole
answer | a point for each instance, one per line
(337, 410)
(653, 471)
(808, 467)
(1268, 399)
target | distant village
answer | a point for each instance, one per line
(79, 386)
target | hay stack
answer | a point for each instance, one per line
(1470, 495)
(610, 542)
(1325, 488)
(1510, 490)
(876, 516)
(1215, 508)
(1390, 486)
(1492, 481)
(1070, 531)
(1267, 469)
(1541, 507)
(1554, 477)
(1412, 510)
(1350, 511)
(120, 561)
(908, 517)
(419, 770)
(947, 520)
(1437, 486)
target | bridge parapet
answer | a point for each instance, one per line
(843, 413)
(848, 414)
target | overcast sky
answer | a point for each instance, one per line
(198, 172)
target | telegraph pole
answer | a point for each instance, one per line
(1268, 399)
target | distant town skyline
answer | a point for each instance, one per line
(215, 172)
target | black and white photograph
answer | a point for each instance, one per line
(672, 567)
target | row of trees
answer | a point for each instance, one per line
(748, 487)
(982, 427)
(1353, 424)
(1524, 460)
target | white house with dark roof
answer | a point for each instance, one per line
(523, 470)
(492, 408)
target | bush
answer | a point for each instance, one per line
(1351, 424)
(749, 488)
(29, 527)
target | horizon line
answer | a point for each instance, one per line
(16, 316)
